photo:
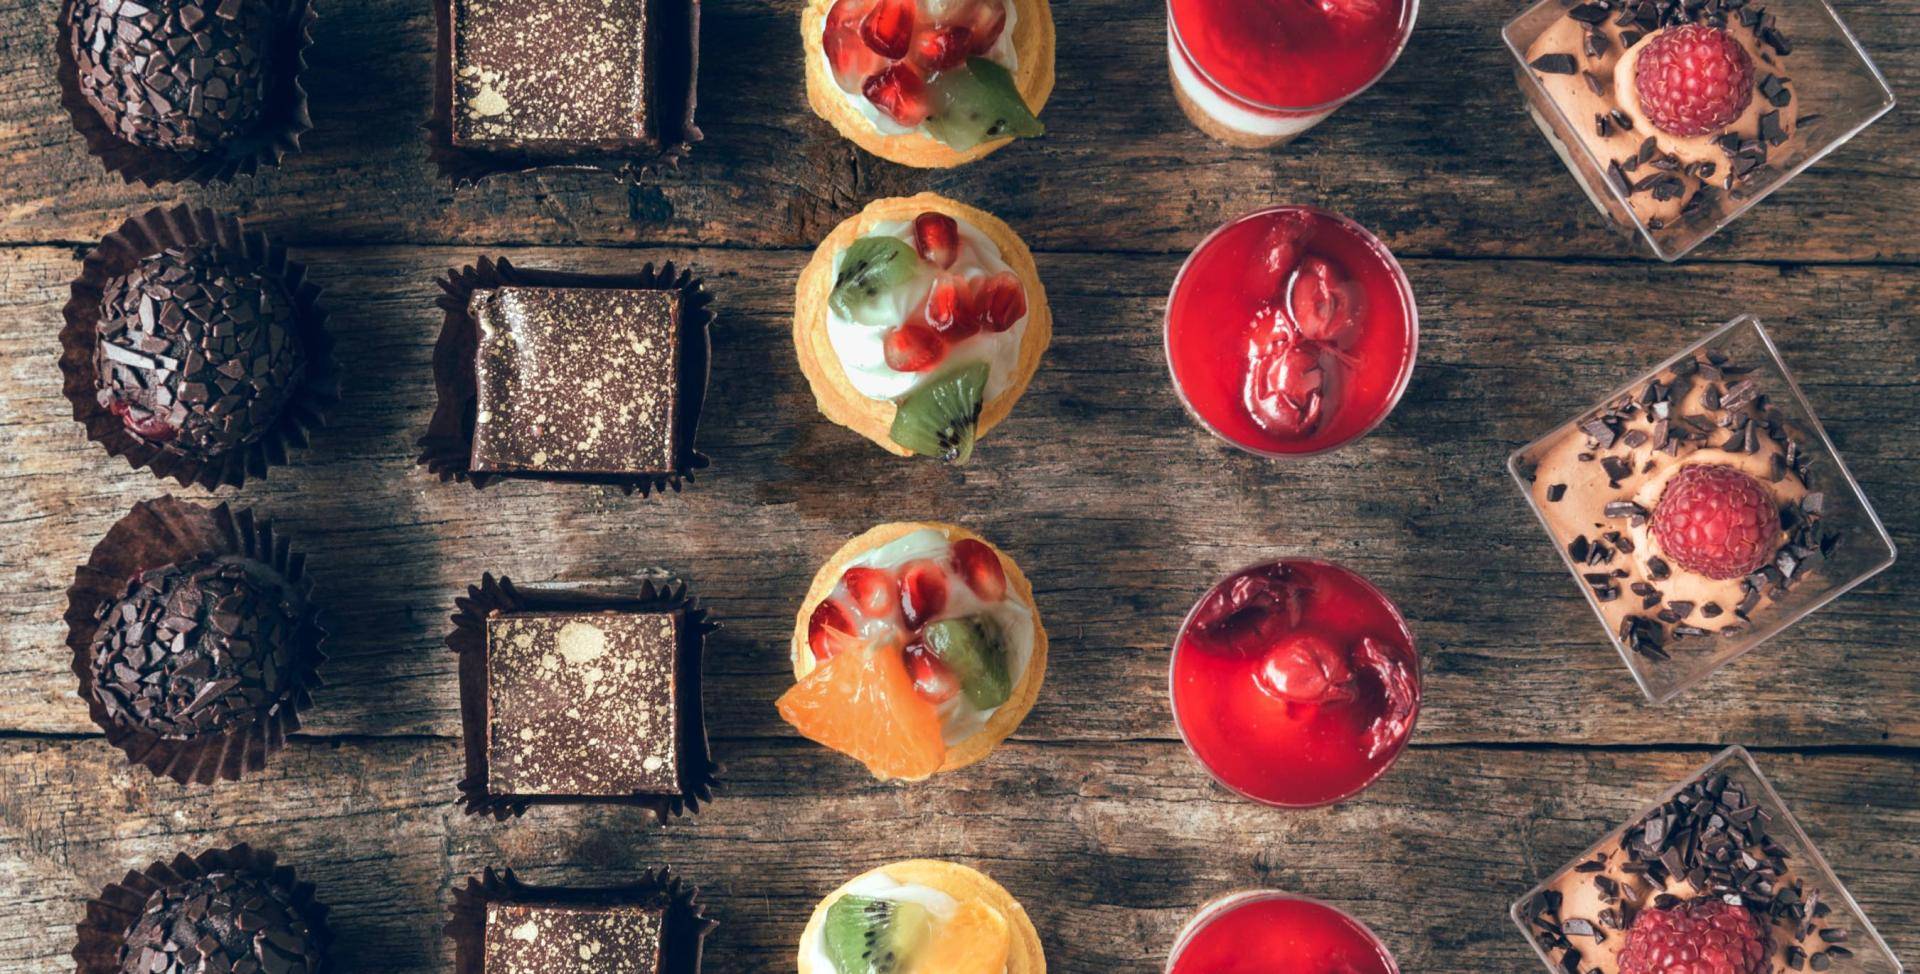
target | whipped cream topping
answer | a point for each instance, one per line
(1002, 53)
(1232, 114)
(874, 885)
(862, 348)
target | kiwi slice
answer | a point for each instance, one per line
(972, 649)
(938, 419)
(869, 272)
(978, 103)
(863, 935)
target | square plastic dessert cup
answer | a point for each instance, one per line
(1864, 549)
(1832, 76)
(1871, 955)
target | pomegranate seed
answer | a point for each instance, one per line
(932, 679)
(900, 93)
(852, 60)
(888, 28)
(1324, 303)
(923, 592)
(830, 630)
(944, 48)
(937, 237)
(1000, 301)
(981, 568)
(873, 591)
(950, 309)
(984, 19)
(914, 347)
(1304, 667)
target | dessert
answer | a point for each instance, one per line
(1290, 331)
(531, 74)
(1295, 682)
(929, 83)
(918, 649)
(223, 910)
(1714, 879)
(571, 696)
(1256, 73)
(500, 925)
(919, 323)
(921, 916)
(1683, 104)
(576, 380)
(1269, 932)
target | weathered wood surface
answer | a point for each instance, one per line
(1110, 846)
(1119, 170)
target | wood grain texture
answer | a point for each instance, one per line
(1445, 128)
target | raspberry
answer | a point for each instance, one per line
(1716, 521)
(1702, 936)
(1693, 80)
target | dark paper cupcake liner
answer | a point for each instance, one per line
(684, 928)
(119, 252)
(112, 913)
(278, 133)
(676, 86)
(447, 448)
(698, 771)
(161, 532)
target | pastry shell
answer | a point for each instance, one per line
(957, 881)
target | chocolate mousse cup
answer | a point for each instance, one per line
(1812, 89)
(1722, 833)
(1598, 482)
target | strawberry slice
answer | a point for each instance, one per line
(980, 567)
(923, 592)
(1000, 301)
(852, 60)
(932, 679)
(914, 347)
(900, 93)
(830, 631)
(1285, 388)
(874, 593)
(944, 48)
(1324, 303)
(936, 236)
(888, 28)
(950, 309)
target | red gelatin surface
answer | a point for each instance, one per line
(1242, 283)
(1290, 53)
(1295, 683)
(1281, 935)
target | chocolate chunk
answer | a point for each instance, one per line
(1555, 492)
(556, 77)
(526, 938)
(223, 921)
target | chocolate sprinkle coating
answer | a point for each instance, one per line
(222, 922)
(196, 351)
(197, 647)
(183, 75)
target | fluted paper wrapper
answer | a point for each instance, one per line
(683, 933)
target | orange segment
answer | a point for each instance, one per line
(976, 941)
(861, 703)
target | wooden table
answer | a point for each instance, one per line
(1533, 742)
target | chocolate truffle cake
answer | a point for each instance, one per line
(179, 75)
(222, 921)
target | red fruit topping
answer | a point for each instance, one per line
(873, 592)
(888, 28)
(1287, 387)
(1305, 667)
(950, 308)
(931, 678)
(977, 563)
(1254, 611)
(983, 19)
(830, 631)
(914, 347)
(1707, 935)
(1000, 301)
(1716, 521)
(1279, 253)
(923, 592)
(151, 427)
(1351, 13)
(1389, 666)
(900, 93)
(937, 237)
(852, 60)
(1693, 80)
(1324, 303)
(943, 48)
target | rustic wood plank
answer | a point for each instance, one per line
(1120, 508)
(1109, 846)
(1120, 170)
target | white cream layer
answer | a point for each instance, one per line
(1002, 53)
(862, 351)
(1231, 114)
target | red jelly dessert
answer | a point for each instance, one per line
(1291, 331)
(1295, 682)
(1269, 932)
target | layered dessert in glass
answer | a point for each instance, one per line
(1270, 932)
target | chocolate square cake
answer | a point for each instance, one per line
(552, 75)
(583, 704)
(538, 939)
(576, 380)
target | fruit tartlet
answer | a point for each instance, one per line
(918, 649)
(922, 916)
(929, 83)
(919, 323)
